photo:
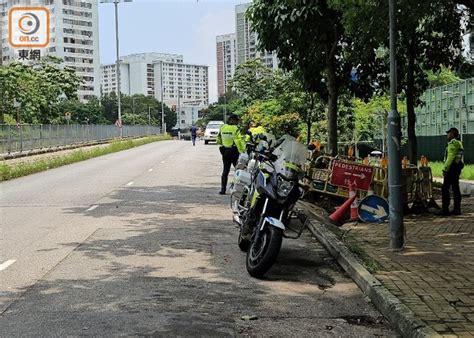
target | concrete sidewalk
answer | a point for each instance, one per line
(434, 275)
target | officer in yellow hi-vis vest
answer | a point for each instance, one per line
(254, 130)
(231, 146)
(453, 166)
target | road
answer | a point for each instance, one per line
(140, 243)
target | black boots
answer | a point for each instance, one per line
(223, 185)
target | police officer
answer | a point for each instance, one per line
(231, 146)
(254, 130)
(453, 165)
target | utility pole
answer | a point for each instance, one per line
(179, 114)
(225, 107)
(397, 230)
(163, 124)
(117, 62)
(119, 99)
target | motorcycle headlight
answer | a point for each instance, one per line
(284, 187)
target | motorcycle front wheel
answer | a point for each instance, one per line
(242, 242)
(263, 251)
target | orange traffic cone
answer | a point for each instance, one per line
(338, 215)
(355, 203)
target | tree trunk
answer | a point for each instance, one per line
(332, 111)
(411, 117)
(309, 119)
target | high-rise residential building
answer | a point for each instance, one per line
(137, 73)
(148, 73)
(74, 37)
(247, 40)
(226, 61)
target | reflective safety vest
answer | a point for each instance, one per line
(229, 136)
(255, 131)
(453, 154)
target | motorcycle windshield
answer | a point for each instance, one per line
(291, 156)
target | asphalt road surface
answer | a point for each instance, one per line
(140, 243)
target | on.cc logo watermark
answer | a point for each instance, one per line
(28, 27)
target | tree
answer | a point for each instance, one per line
(309, 39)
(253, 81)
(90, 112)
(109, 107)
(17, 84)
(371, 116)
(271, 115)
(441, 77)
(37, 88)
(429, 37)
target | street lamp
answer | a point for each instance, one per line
(179, 113)
(163, 124)
(117, 47)
(225, 107)
(397, 230)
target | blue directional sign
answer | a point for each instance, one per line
(373, 209)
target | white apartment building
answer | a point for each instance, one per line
(247, 40)
(226, 61)
(144, 74)
(74, 38)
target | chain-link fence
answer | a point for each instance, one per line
(27, 137)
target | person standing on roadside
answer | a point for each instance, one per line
(254, 130)
(231, 146)
(453, 166)
(193, 134)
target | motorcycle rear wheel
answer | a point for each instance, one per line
(264, 251)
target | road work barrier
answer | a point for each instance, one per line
(333, 175)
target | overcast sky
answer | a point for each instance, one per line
(186, 27)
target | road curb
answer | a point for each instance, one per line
(399, 315)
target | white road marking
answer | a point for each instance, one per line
(162, 161)
(92, 208)
(129, 183)
(5, 265)
(150, 170)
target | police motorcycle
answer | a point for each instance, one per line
(263, 199)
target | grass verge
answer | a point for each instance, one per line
(8, 172)
(370, 264)
(363, 257)
(467, 172)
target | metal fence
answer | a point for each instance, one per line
(434, 147)
(28, 137)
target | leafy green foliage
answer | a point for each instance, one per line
(309, 39)
(271, 115)
(441, 77)
(429, 34)
(37, 89)
(371, 117)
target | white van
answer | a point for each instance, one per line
(212, 130)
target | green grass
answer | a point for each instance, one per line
(370, 264)
(467, 172)
(8, 172)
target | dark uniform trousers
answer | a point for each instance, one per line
(451, 179)
(230, 156)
